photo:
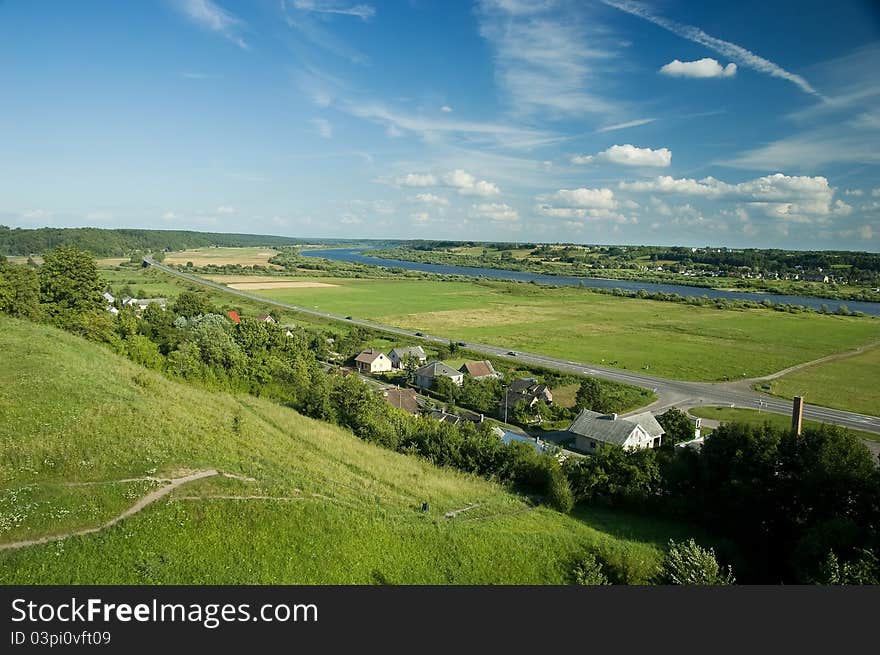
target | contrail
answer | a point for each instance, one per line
(739, 54)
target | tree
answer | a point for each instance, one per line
(446, 389)
(677, 425)
(689, 564)
(69, 282)
(191, 304)
(864, 570)
(19, 291)
(589, 395)
(589, 572)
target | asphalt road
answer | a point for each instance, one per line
(670, 393)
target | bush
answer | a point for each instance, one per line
(689, 564)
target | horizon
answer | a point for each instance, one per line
(603, 123)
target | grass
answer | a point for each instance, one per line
(850, 383)
(755, 417)
(665, 339)
(342, 510)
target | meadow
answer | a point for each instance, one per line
(86, 431)
(849, 383)
(665, 339)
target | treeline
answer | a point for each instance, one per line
(123, 242)
(798, 509)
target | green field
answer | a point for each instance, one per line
(851, 383)
(665, 339)
(84, 428)
(221, 256)
(755, 417)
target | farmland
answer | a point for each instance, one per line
(665, 339)
(86, 433)
(220, 256)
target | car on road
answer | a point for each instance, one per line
(419, 334)
(348, 318)
(512, 353)
(462, 343)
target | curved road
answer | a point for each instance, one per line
(670, 393)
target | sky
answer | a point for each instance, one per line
(728, 123)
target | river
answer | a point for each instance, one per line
(356, 256)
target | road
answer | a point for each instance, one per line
(670, 393)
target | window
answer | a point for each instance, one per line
(593, 445)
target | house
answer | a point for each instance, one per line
(531, 387)
(426, 375)
(479, 370)
(445, 417)
(265, 318)
(372, 361)
(109, 297)
(233, 316)
(142, 303)
(398, 355)
(405, 399)
(593, 430)
(508, 437)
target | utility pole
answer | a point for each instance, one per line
(506, 390)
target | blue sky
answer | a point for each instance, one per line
(722, 123)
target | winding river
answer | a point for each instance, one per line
(357, 256)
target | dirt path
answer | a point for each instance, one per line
(147, 500)
(456, 512)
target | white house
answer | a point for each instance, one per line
(593, 430)
(426, 375)
(398, 355)
(372, 361)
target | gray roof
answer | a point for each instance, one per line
(607, 428)
(436, 369)
(648, 422)
(415, 351)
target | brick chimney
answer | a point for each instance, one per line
(797, 415)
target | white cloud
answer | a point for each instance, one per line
(629, 155)
(169, 216)
(33, 214)
(496, 212)
(730, 50)
(706, 67)
(210, 16)
(623, 126)
(875, 193)
(446, 109)
(431, 199)
(417, 180)
(468, 185)
(585, 214)
(854, 192)
(350, 219)
(866, 232)
(778, 195)
(421, 217)
(545, 62)
(323, 126)
(584, 198)
(225, 209)
(361, 11)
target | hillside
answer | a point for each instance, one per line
(85, 434)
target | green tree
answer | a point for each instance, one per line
(590, 395)
(19, 291)
(69, 282)
(589, 572)
(677, 425)
(446, 389)
(191, 304)
(864, 570)
(687, 563)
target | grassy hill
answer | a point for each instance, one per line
(85, 434)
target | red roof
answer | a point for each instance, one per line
(233, 316)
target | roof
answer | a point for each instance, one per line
(445, 417)
(512, 437)
(607, 428)
(648, 422)
(522, 384)
(263, 317)
(436, 369)
(233, 316)
(415, 351)
(478, 369)
(405, 399)
(369, 356)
